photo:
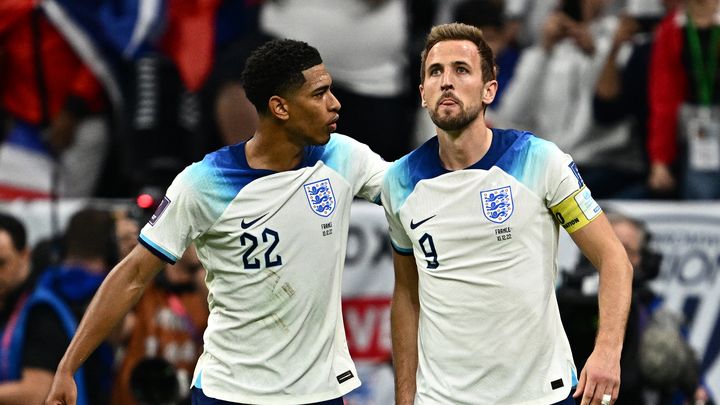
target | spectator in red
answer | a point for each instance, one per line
(52, 101)
(684, 134)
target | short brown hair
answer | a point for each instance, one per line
(460, 32)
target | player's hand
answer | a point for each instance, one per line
(62, 131)
(63, 390)
(554, 29)
(600, 377)
(661, 178)
(627, 27)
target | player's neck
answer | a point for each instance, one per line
(271, 149)
(463, 149)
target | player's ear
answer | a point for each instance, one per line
(278, 107)
(488, 92)
(422, 95)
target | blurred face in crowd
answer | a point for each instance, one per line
(453, 89)
(631, 238)
(186, 270)
(593, 8)
(14, 265)
(126, 233)
(312, 109)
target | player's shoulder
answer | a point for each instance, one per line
(222, 172)
(417, 164)
(524, 147)
(341, 145)
(227, 157)
(208, 169)
(521, 140)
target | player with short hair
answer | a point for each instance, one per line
(474, 216)
(269, 219)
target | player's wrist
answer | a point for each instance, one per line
(609, 346)
(65, 368)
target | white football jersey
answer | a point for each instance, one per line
(273, 244)
(485, 242)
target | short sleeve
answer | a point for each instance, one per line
(393, 193)
(358, 164)
(567, 196)
(182, 215)
(372, 174)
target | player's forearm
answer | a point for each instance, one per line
(598, 242)
(121, 289)
(404, 321)
(614, 297)
(404, 315)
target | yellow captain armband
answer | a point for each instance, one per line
(576, 211)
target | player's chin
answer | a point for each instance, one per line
(324, 139)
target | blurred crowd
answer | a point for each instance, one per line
(109, 99)
(45, 290)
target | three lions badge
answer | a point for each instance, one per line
(497, 204)
(321, 197)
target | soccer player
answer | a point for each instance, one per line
(269, 219)
(474, 216)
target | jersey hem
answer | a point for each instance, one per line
(556, 396)
(283, 400)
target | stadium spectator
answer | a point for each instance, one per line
(684, 129)
(39, 309)
(56, 135)
(527, 19)
(89, 250)
(126, 232)
(620, 105)
(553, 85)
(25, 376)
(172, 99)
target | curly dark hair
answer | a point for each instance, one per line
(275, 68)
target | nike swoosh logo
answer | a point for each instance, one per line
(246, 225)
(414, 225)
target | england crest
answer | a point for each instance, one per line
(321, 197)
(497, 204)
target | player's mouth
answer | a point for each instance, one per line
(333, 123)
(448, 101)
